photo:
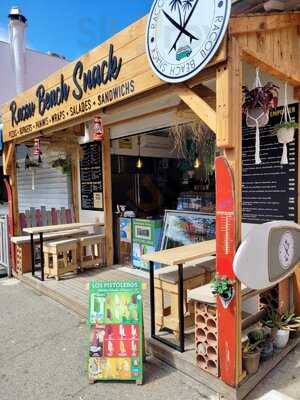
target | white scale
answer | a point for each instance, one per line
(269, 253)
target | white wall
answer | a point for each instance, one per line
(38, 67)
(52, 187)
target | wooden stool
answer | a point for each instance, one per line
(166, 281)
(91, 251)
(60, 258)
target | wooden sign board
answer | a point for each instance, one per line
(116, 321)
(112, 72)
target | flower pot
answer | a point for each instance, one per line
(226, 298)
(285, 136)
(281, 338)
(267, 351)
(258, 115)
(251, 362)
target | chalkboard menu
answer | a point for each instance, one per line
(269, 189)
(91, 177)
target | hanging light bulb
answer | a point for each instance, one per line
(197, 163)
(139, 163)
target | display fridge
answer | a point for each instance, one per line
(146, 238)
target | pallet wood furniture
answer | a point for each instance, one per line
(23, 251)
(91, 251)
(43, 217)
(60, 258)
(51, 229)
(166, 284)
(176, 257)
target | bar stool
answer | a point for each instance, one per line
(91, 251)
(166, 282)
(60, 258)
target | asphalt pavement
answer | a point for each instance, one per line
(43, 356)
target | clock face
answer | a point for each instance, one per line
(286, 250)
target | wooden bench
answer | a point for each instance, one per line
(91, 251)
(60, 258)
(23, 250)
(166, 283)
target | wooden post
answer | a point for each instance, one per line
(74, 173)
(107, 197)
(229, 136)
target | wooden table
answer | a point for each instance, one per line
(177, 256)
(40, 230)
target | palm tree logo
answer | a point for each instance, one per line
(185, 9)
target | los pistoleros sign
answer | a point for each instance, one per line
(184, 35)
(67, 91)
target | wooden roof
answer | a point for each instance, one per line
(259, 6)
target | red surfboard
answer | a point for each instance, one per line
(225, 236)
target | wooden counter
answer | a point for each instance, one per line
(182, 254)
(62, 227)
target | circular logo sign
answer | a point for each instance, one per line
(184, 35)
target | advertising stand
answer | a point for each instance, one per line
(116, 324)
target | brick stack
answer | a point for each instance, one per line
(206, 338)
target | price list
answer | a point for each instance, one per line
(91, 177)
(269, 190)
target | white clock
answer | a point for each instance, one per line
(286, 250)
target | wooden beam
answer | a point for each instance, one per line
(263, 23)
(74, 174)
(13, 181)
(107, 198)
(252, 58)
(197, 105)
(233, 94)
(8, 156)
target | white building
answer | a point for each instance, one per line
(22, 68)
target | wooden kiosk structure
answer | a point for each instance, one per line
(52, 108)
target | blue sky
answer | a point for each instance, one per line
(73, 27)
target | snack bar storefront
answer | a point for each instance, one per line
(126, 114)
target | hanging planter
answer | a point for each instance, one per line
(285, 130)
(98, 129)
(224, 288)
(63, 165)
(257, 104)
(31, 166)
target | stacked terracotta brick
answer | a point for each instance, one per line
(206, 338)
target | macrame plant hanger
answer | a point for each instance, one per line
(285, 118)
(257, 83)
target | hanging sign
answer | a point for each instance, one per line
(98, 130)
(116, 320)
(269, 254)
(183, 36)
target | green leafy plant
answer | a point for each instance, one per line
(255, 342)
(222, 286)
(63, 164)
(285, 125)
(286, 321)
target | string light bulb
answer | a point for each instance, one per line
(197, 163)
(139, 163)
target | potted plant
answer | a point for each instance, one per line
(285, 132)
(291, 322)
(280, 327)
(258, 102)
(63, 164)
(256, 106)
(224, 288)
(252, 350)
